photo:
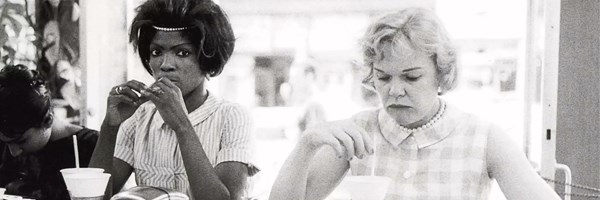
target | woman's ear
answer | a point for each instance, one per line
(48, 119)
(440, 90)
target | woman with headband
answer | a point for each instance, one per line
(174, 133)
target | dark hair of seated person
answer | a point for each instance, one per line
(25, 103)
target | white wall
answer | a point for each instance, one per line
(104, 53)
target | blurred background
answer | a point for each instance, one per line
(296, 63)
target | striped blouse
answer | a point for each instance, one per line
(150, 146)
(444, 161)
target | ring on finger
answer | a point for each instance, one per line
(118, 90)
(157, 90)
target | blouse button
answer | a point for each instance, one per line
(407, 174)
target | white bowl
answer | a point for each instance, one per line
(366, 187)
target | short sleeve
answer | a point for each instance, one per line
(125, 139)
(237, 138)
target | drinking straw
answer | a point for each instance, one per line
(374, 156)
(76, 150)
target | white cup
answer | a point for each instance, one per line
(2, 190)
(81, 170)
(86, 185)
(366, 187)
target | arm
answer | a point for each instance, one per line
(103, 158)
(306, 169)
(233, 159)
(312, 170)
(234, 176)
(203, 178)
(515, 176)
(121, 105)
(231, 170)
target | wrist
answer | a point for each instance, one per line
(183, 128)
(306, 148)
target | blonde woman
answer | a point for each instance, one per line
(429, 149)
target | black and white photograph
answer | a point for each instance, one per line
(300, 99)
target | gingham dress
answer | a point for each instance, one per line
(444, 161)
(150, 146)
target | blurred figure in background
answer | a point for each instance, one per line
(429, 149)
(305, 92)
(34, 145)
(174, 133)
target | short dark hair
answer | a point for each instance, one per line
(209, 29)
(24, 101)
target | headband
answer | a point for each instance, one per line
(168, 29)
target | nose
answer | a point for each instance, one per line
(167, 64)
(397, 89)
(15, 150)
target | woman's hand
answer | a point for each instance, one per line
(168, 99)
(346, 138)
(123, 100)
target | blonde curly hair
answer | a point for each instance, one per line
(419, 29)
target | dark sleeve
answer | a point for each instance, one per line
(86, 139)
(7, 169)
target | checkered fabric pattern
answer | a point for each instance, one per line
(147, 143)
(444, 161)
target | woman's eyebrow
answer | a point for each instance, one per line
(411, 69)
(403, 71)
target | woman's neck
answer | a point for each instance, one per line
(195, 98)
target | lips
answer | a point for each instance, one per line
(398, 106)
(172, 79)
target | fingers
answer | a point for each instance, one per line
(167, 82)
(347, 142)
(131, 90)
(159, 87)
(120, 98)
(127, 91)
(162, 94)
(347, 138)
(357, 141)
(361, 140)
(155, 91)
(151, 94)
(336, 145)
(367, 140)
(136, 85)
